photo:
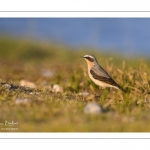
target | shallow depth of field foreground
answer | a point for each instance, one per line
(45, 87)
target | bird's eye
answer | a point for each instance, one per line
(90, 59)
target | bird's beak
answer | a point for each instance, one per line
(82, 56)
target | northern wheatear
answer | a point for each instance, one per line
(98, 75)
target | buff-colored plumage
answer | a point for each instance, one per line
(98, 75)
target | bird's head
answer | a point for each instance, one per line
(90, 59)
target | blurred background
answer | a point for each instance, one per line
(126, 35)
(44, 54)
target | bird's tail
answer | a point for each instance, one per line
(122, 89)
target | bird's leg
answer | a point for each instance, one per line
(102, 91)
(99, 96)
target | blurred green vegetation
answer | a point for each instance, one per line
(64, 112)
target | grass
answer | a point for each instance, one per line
(64, 112)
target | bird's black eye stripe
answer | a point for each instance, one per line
(90, 59)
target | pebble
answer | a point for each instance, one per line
(47, 73)
(84, 94)
(22, 100)
(92, 108)
(146, 101)
(7, 86)
(27, 84)
(57, 88)
(139, 102)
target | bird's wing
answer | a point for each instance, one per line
(107, 79)
(103, 78)
(100, 71)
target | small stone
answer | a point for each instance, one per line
(22, 100)
(47, 73)
(34, 93)
(57, 88)
(7, 86)
(92, 108)
(146, 101)
(139, 102)
(84, 94)
(27, 84)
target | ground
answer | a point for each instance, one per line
(42, 109)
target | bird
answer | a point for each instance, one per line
(98, 75)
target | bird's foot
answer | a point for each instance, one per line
(97, 97)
